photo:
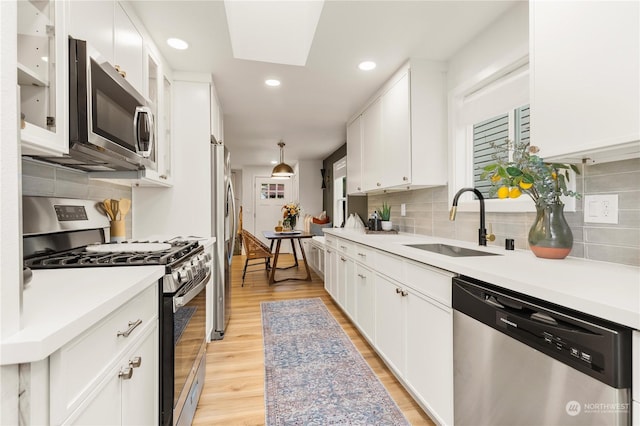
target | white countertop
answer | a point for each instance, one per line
(59, 304)
(606, 290)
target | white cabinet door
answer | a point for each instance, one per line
(429, 354)
(372, 146)
(140, 392)
(354, 156)
(585, 86)
(127, 49)
(365, 301)
(396, 134)
(331, 272)
(43, 77)
(350, 287)
(93, 21)
(341, 280)
(216, 112)
(389, 322)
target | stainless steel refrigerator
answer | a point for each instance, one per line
(223, 228)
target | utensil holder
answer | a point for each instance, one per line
(118, 231)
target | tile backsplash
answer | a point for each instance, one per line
(43, 179)
(427, 213)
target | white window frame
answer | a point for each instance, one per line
(461, 141)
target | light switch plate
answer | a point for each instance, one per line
(602, 208)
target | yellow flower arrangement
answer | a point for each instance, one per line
(525, 172)
(290, 214)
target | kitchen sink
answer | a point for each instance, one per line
(453, 251)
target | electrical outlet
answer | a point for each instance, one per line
(403, 209)
(601, 208)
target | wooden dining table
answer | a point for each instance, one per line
(277, 238)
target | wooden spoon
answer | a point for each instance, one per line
(125, 206)
(115, 208)
(107, 207)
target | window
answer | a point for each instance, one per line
(489, 109)
(340, 191)
(513, 125)
(271, 191)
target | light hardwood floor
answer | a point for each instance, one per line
(234, 388)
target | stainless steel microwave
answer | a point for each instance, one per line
(111, 126)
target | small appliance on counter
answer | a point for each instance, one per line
(69, 233)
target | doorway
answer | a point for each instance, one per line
(270, 196)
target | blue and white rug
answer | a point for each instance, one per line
(314, 375)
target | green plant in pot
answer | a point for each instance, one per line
(518, 170)
(385, 215)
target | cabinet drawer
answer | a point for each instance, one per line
(331, 241)
(346, 247)
(432, 282)
(364, 254)
(388, 264)
(77, 365)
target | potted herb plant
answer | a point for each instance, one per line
(385, 215)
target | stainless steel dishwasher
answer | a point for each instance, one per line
(523, 361)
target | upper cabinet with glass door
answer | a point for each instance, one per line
(43, 77)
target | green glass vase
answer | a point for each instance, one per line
(550, 236)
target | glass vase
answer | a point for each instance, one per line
(550, 236)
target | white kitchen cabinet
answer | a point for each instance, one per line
(107, 27)
(43, 77)
(404, 130)
(331, 272)
(89, 376)
(390, 322)
(354, 157)
(315, 255)
(396, 134)
(124, 400)
(365, 301)
(372, 147)
(585, 90)
(429, 347)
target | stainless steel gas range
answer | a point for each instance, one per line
(70, 233)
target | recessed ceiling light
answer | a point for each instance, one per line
(272, 82)
(176, 43)
(367, 65)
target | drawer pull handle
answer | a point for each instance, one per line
(343, 259)
(135, 362)
(404, 293)
(362, 254)
(343, 247)
(132, 326)
(364, 277)
(398, 291)
(126, 373)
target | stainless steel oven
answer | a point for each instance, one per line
(60, 233)
(183, 351)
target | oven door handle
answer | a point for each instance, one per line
(180, 301)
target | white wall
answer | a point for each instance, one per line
(310, 186)
(185, 208)
(506, 39)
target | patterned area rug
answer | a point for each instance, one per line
(314, 375)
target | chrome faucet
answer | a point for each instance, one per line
(482, 232)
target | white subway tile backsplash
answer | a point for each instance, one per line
(428, 214)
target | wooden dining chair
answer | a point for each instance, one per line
(255, 250)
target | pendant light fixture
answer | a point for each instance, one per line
(282, 170)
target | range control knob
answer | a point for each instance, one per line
(176, 276)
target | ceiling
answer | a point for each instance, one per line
(309, 111)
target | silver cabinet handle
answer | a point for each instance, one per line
(364, 277)
(378, 184)
(362, 254)
(404, 293)
(126, 373)
(343, 247)
(359, 189)
(398, 291)
(132, 326)
(343, 259)
(135, 362)
(404, 178)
